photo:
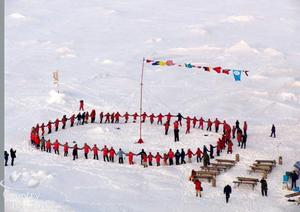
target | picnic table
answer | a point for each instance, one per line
(293, 195)
(226, 161)
(246, 181)
(212, 168)
(223, 165)
(209, 177)
(211, 172)
(260, 169)
(263, 165)
(273, 162)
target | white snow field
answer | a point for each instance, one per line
(98, 47)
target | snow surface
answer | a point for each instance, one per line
(98, 48)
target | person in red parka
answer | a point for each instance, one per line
(171, 156)
(43, 128)
(112, 154)
(66, 149)
(144, 160)
(101, 117)
(64, 121)
(245, 127)
(48, 146)
(209, 124)
(198, 154)
(37, 129)
(72, 120)
(157, 158)
(229, 147)
(81, 105)
(198, 187)
(217, 124)
(49, 125)
(150, 158)
(56, 147)
(201, 123)
(165, 158)
(144, 116)
(167, 125)
(159, 118)
(130, 157)
(169, 116)
(188, 125)
(56, 124)
(87, 115)
(135, 115)
(239, 135)
(126, 116)
(152, 116)
(117, 117)
(86, 150)
(219, 147)
(105, 154)
(93, 116)
(176, 131)
(107, 117)
(112, 117)
(190, 155)
(95, 151)
(194, 121)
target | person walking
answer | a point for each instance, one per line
(264, 187)
(6, 155)
(273, 131)
(227, 192)
(198, 187)
(13, 156)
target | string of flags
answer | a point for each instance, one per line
(237, 74)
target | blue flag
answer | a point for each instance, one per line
(237, 75)
(188, 65)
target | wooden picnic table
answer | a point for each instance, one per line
(211, 172)
(226, 165)
(225, 161)
(260, 169)
(246, 183)
(263, 165)
(247, 179)
(209, 177)
(267, 161)
(212, 168)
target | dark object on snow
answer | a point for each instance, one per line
(264, 187)
(297, 165)
(13, 156)
(227, 192)
(6, 155)
(273, 131)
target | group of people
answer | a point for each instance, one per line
(13, 155)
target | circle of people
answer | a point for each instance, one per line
(146, 159)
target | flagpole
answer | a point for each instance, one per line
(141, 102)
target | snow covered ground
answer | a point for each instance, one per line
(98, 48)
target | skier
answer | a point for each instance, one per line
(72, 120)
(130, 157)
(244, 140)
(201, 123)
(264, 187)
(198, 187)
(93, 116)
(56, 124)
(6, 155)
(227, 192)
(105, 154)
(150, 158)
(107, 117)
(112, 154)
(176, 131)
(209, 124)
(171, 156)
(190, 155)
(56, 147)
(159, 118)
(86, 150)
(188, 125)
(177, 157)
(141, 154)
(13, 156)
(273, 131)
(95, 151)
(152, 116)
(42, 143)
(121, 154)
(245, 127)
(66, 149)
(180, 117)
(75, 152)
(157, 158)
(166, 127)
(198, 154)
(101, 117)
(48, 146)
(217, 124)
(49, 125)
(126, 116)
(81, 105)
(194, 121)
(78, 117)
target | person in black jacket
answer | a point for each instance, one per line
(237, 124)
(227, 192)
(83, 118)
(6, 155)
(75, 152)
(177, 157)
(182, 155)
(206, 161)
(13, 156)
(244, 140)
(273, 131)
(141, 154)
(264, 187)
(294, 178)
(78, 117)
(180, 117)
(211, 151)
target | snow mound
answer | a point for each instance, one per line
(66, 52)
(17, 16)
(154, 40)
(272, 52)
(241, 47)
(287, 96)
(55, 97)
(238, 19)
(107, 62)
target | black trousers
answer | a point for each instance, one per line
(177, 161)
(56, 151)
(293, 184)
(48, 150)
(227, 197)
(217, 129)
(12, 161)
(66, 154)
(56, 128)
(86, 155)
(273, 135)
(264, 191)
(171, 162)
(208, 128)
(43, 147)
(158, 163)
(199, 159)
(111, 159)
(121, 160)
(105, 158)
(72, 124)
(6, 161)
(243, 145)
(92, 120)
(166, 131)
(64, 126)
(183, 161)
(75, 156)
(49, 130)
(96, 157)
(176, 135)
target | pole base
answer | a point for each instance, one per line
(140, 141)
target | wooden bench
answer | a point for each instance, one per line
(226, 161)
(245, 183)
(273, 162)
(248, 179)
(211, 172)
(259, 169)
(224, 165)
(270, 166)
(293, 195)
(212, 168)
(209, 177)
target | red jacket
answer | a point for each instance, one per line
(189, 153)
(135, 115)
(144, 116)
(130, 156)
(209, 123)
(229, 145)
(56, 145)
(245, 127)
(217, 123)
(126, 116)
(49, 125)
(169, 117)
(157, 157)
(171, 154)
(199, 152)
(201, 121)
(93, 114)
(105, 151)
(117, 116)
(86, 149)
(72, 119)
(64, 120)
(144, 158)
(176, 125)
(197, 185)
(112, 152)
(66, 147)
(48, 144)
(95, 150)
(56, 122)
(150, 157)
(166, 125)
(194, 121)
(152, 117)
(159, 117)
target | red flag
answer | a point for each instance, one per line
(170, 63)
(225, 71)
(217, 69)
(149, 61)
(206, 68)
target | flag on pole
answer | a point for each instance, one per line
(237, 75)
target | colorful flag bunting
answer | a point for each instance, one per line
(217, 69)
(225, 71)
(237, 75)
(206, 68)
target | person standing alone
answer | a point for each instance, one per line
(227, 192)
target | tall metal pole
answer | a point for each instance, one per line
(141, 102)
